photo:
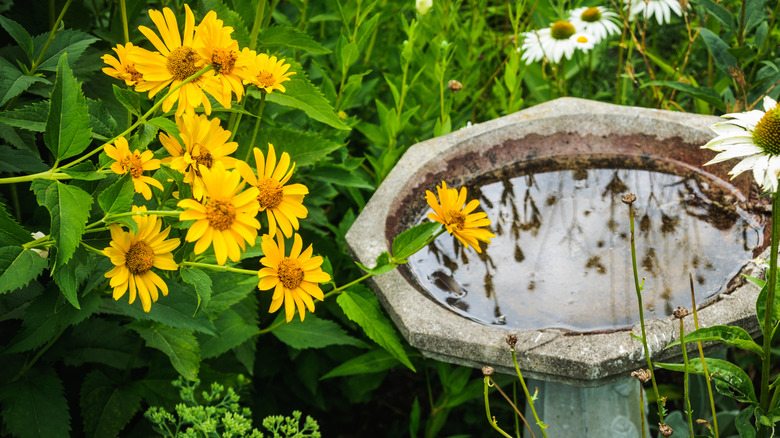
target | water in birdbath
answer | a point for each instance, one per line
(561, 256)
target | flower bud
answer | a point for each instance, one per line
(423, 6)
(454, 85)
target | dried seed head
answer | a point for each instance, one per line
(511, 340)
(665, 429)
(641, 375)
(680, 312)
(454, 85)
(629, 198)
(487, 370)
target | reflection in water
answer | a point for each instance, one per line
(561, 256)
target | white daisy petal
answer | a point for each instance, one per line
(769, 103)
(759, 169)
(744, 165)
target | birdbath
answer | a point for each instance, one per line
(558, 274)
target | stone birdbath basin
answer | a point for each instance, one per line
(558, 274)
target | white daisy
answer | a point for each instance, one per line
(662, 9)
(555, 42)
(753, 136)
(599, 21)
(584, 41)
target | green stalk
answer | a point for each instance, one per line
(641, 407)
(638, 288)
(492, 420)
(218, 268)
(703, 362)
(771, 284)
(53, 32)
(257, 124)
(256, 24)
(686, 393)
(528, 397)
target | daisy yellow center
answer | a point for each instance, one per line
(582, 39)
(182, 63)
(271, 192)
(767, 132)
(134, 75)
(561, 30)
(265, 79)
(223, 61)
(133, 164)
(204, 159)
(220, 214)
(139, 258)
(290, 273)
(458, 219)
(591, 15)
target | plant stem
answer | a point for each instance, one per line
(703, 362)
(686, 393)
(491, 419)
(528, 397)
(218, 268)
(767, 329)
(257, 124)
(257, 24)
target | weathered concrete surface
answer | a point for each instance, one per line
(578, 126)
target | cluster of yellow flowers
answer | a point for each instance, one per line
(225, 214)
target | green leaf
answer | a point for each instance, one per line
(118, 197)
(167, 125)
(18, 266)
(314, 332)
(20, 160)
(413, 239)
(129, 99)
(103, 124)
(11, 233)
(719, 12)
(68, 131)
(107, 404)
(31, 117)
(754, 11)
(729, 335)
(730, 379)
(277, 37)
(362, 307)
(381, 266)
(202, 284)
(70, 275)
(232, 331)
(179, 345)
(761, 306)
(84, 171)
(228, 289)
(13, 82)
(72, 42)
(305, 148)
(101, 341)
(706, 94)
(303, 95)
(34, 405)
(718, 49)
(371, 362)
(340, 177)
(69, 208)
(19, 34)
(743, 423)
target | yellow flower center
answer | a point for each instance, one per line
(139, 258)
(457, 219)
(591, 15)
(133, 164)
(223, 61)
(182, 63)
(205, 158)
(561, 30)
(265, 79)
(134, 75)
(220, 214)
(271, 193)
(290, 273)
(582, 39)
(767, 132)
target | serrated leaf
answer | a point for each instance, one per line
(34, 405)
(70, 275)
(107, 405)
(340, 177)
(18, 267)
(72, 42)
(179, 345)
(314, 332)
(729, 335)
(31, 117)
(362, 307)
(303, 95)
(371, 362)
(19, 34)
(228, 289)
(305, 148)
(277, 37)
(118, 197)
(101, 341)
(232, 331)
(103, 124)
(20, 160)
(168, 126)
(13, 82)
(202, 283)
(11, 233)
(412, 240)
(69, 208)
(381, 266)
(718, 49)
(129, 99)
(68, 131)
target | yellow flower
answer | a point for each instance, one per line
(123, 68)
(294, 279)
(282, 204)
(135, 254)
(175, 61)
(224, 218)
(135, 163)
(214, 44)
(205, 144)
(456, 218)
(267, 73)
